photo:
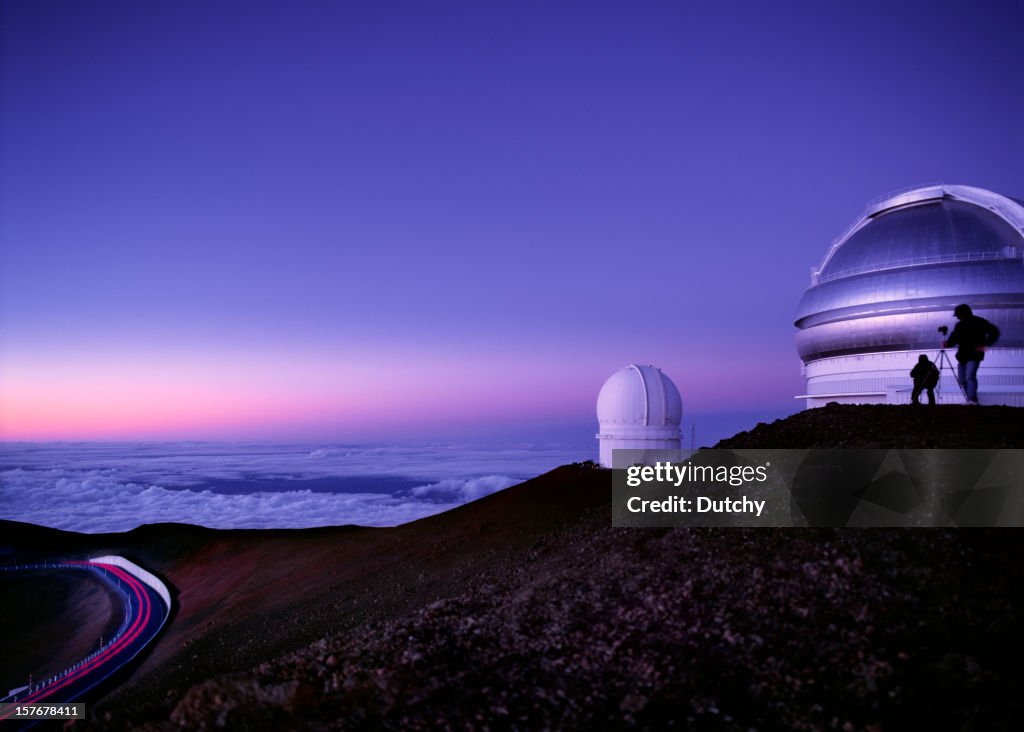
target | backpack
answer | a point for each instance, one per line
(992, 333)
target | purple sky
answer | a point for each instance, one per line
(372, 220)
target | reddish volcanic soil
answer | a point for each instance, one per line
(526, 609)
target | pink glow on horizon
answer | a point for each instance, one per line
(203, 394)
(227, 397)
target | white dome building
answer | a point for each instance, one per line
(895, 276)
(639, 408)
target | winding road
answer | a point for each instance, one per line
(146, 609)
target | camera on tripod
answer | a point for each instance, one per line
(943, 359)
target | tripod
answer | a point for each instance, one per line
(943, 357)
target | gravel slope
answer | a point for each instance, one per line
(527, 610)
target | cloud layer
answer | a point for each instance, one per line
(100, 487)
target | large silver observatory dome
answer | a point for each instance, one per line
(888, 283)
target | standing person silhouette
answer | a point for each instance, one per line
(971, 335)
(926, 377)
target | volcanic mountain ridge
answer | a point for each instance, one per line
(527, 609)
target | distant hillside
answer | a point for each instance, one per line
(244, 595)
(526, 609)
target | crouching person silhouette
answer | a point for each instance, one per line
(926, 377)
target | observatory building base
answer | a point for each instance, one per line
(884, 378)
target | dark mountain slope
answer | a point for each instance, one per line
(527, 609)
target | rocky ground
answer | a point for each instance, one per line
(527, 610)
(717, 629)
(880, 425)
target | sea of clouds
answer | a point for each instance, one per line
(102, 487)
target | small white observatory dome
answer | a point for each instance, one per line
(639, 408)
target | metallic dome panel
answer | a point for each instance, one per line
(902, 268)
(935, 231)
